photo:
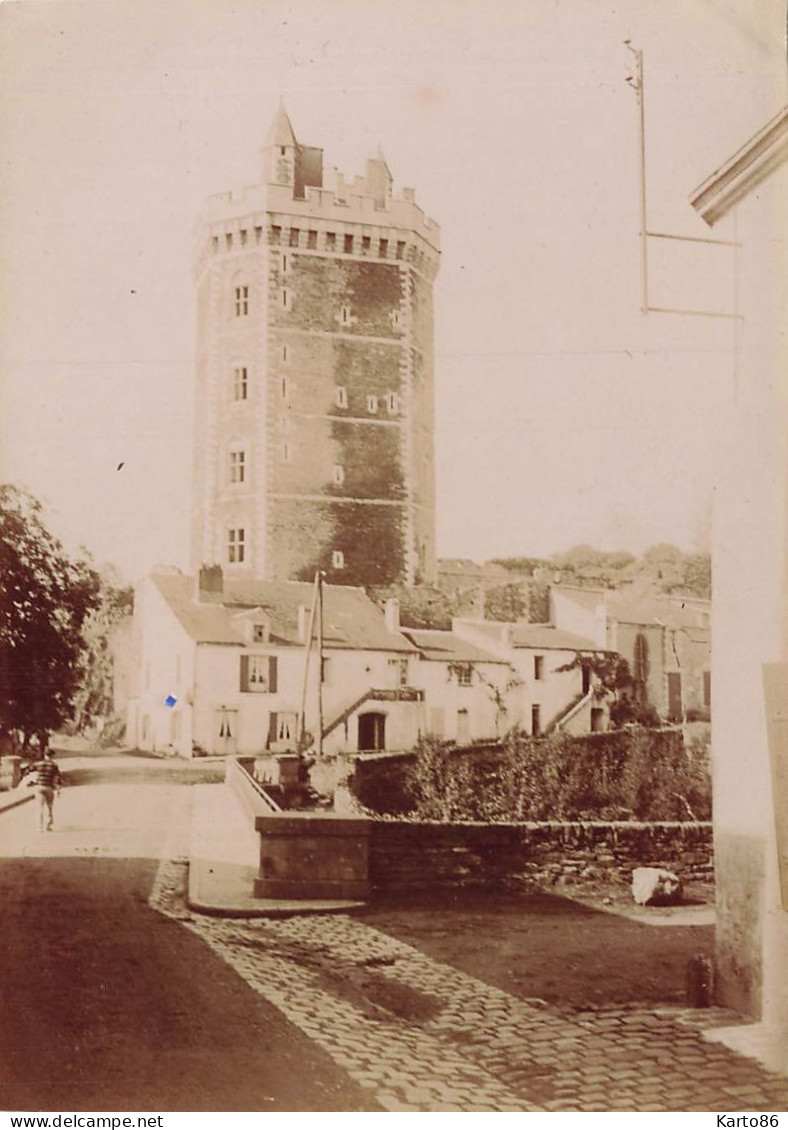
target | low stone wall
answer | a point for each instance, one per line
(407, 855)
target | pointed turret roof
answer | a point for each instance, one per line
(281, 131)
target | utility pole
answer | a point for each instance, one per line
(319, 587)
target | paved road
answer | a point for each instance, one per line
(109, 1005)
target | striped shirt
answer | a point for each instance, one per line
(47, 774)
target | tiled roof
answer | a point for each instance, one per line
(448, 647)
(350, 619)
(544, 637)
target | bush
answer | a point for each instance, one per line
(637, 774)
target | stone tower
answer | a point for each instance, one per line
(314, 418)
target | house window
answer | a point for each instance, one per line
(464, 674)
(392, 404)
(365, 244)
(401, 664)
(283, 729)
(538, 667)
(348, 244)
(260, 633)
(238, 466)
(340, 397)
(536, 720)
(383, 248)
(338, 559)
(241, 301)
(331, 241)
(236, 545)
(240, 382)
(338, 475)
(258, 673)
(311, 240)
(295, 235)
(372, 404)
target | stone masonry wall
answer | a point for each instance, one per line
(408, 856)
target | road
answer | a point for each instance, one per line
(109, 1005)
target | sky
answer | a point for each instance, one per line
(563, 413)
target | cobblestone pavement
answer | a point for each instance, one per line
(422, 1036)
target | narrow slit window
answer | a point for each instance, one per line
(340, 397)
(372, 404)
(338, 559)
(338, 475)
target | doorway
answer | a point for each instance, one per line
(372, 731)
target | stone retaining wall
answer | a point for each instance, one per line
(408, 855)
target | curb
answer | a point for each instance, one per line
(11, 800)
(248, 906)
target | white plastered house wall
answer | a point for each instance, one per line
(744, 202)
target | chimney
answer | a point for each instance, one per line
(302, 623)
(392, 614)
(211, 580)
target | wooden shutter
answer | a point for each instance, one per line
(272, 727)
(272, 674)
(244, 672)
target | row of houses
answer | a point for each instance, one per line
(216, 665)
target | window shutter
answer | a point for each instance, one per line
(272, 674)
(244, 672)
(272, 727)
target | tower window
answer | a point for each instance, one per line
(216, 243)
(344, 315)
(240, 382)
(287, 453)
(338, 475)
(338, 559)
(241, 301)
(365, 244)
(295, 235)
(236, 545)
(228, 239)
(284, 388)
(285, 263)
(282, 151)
(311, 240)
(238, 466)
(538, 667)
(276, 233)
(284, 354)
(331, 241)
(396, 319)
(242, 235)
(348, 244)
(287, 300)
(372, 404)
(340, 396)
(401, 249)
(383, 248)
(392, 404)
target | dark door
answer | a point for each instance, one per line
(371, 731)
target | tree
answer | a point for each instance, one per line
(93, 698)
(45, 600)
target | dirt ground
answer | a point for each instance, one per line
(573, 954)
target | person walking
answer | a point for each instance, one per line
(46, 780)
